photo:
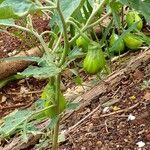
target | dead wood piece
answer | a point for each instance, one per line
(8, 68)
(112, 81)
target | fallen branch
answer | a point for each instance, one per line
(9, 68)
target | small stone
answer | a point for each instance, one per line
(140, 144)
(83, 148)
(131, 117)
(4, 98)
(99, 143)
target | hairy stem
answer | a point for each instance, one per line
(56, 128)
(66, 41)
(58, 77)
(87, 25)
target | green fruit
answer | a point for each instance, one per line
(52, 112)
(120, 47)
(83, 43)
(48, 95)
(94, 60)
(132, 41)
(133, 17)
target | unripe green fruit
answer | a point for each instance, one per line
(94, 60)
(133, 17)
(132, 41)
(83, 43)
(48, 95)
(120, 47)
(52, 112)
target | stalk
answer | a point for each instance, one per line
(87, 25)
(56, 128)
(58, 77)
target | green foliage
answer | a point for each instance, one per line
(41, 72)
(7, 22)
(73, 21)
(13, 122)
(48, 96)
(142, 7)
(68, 9)
(16, 8)
(4, 82)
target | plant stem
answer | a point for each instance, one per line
(58, 77)
(87, 25)
(56, 129)
(66, 41)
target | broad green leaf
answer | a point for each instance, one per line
(68, 8)
(1, 1)
(142, 6)
(13, 121)
(75, 53)
(41, 72)
(16, 8)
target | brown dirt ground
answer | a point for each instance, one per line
(114, 132)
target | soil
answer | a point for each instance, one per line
(115, 131)
(119, 126)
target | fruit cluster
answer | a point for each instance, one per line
(95, 61)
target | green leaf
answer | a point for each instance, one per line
(1, 1)
(75, 53)
(13, 121)
(68, 8)
(26, 58)
(53, 122)
(9, 79)
(16, 8)
(7, 22)
(142, 7)
(41, 72)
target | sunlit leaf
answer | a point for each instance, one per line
(142, 6)
(68, 8)
(7, 22)
(16, 8)
(41, 72)
(12, 122)
(53, 122)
